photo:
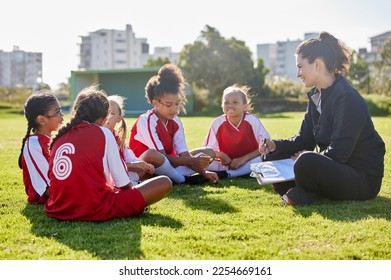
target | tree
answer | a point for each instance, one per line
(358, 74)
(385, 53)
(258, 83)
(156, 63)
(382, 81)
(213, 63)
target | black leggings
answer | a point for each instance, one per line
(333, 180)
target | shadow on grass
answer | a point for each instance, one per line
(334, 210)
(348, 211)
(110, 240)
(196, 197)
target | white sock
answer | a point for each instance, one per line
(167, 169)
(244, 169)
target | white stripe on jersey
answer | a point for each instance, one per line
(147, 134)
(114, 168)
(39, 183)
(129, 155)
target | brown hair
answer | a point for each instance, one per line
(90, 105)
(335, 56)
(169, 80)
(37, 104)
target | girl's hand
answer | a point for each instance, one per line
(237, 162)
(150, 169)
(224, 158)
(200, 162)
(140, 166)
(211, 176)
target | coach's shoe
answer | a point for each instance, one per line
(282, 188)
(195, 179)
(298, 196)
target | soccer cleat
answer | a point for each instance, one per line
(298, 196)
(195, 179)
(222, 174)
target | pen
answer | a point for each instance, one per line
(265, 146)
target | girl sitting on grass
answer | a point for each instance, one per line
(138, 169)
(235, 135)
(84, 158)
(43, 113)
(161, 129)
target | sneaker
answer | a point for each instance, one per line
(298, 196)
(222, 174)
(147, 209)
(282, 188)
(195, 179)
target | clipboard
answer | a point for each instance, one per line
(276, 171)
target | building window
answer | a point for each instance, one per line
(144, 48)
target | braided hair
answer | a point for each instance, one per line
(90, 105)
(169, 80)
(39, 103)
(335, 56)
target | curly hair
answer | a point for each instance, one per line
(90, 105)
(39, 103)
(169, 80)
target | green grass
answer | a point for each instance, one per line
(235, 219)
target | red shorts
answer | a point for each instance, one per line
(128, 202)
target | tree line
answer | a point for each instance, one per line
(213, 62)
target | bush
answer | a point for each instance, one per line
(15, 96)
(378, 105)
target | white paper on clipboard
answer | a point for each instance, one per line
(275, 171)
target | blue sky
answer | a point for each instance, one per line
(53, 27)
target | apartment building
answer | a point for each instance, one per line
(165, 52)
(279, 57)
(113, 49)
(377, 42)
(20, 68)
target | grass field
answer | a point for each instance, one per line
(235, 219)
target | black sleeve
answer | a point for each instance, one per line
(303, 140)
(349, 117)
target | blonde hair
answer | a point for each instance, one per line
(122, 131)
(244, 92)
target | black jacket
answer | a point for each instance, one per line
(344, 130)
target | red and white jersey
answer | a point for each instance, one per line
(127, 155)
(149, 132)
(82, 163)
(235, 141)
(35, 167)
